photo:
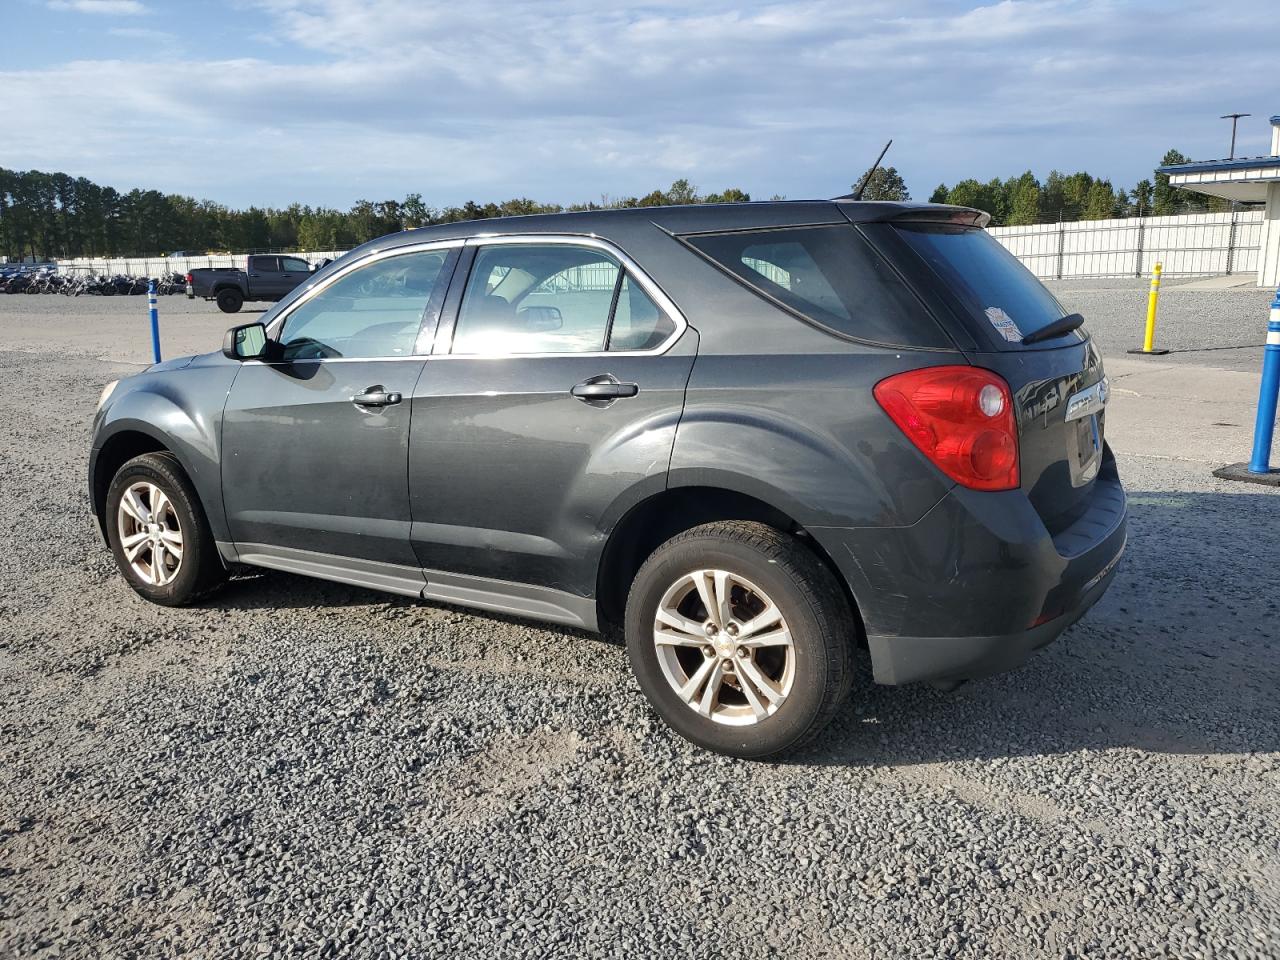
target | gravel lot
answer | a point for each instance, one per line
(302, 768)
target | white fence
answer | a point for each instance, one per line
(1194, 244)
(159, 266)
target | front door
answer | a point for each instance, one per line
(264, 278)
(315, 441)
(293, 271)
(550, 410)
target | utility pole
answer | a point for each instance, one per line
(1234, 118)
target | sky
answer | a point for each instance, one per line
(325, 102)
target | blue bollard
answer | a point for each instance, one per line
(155, 319)
(1265, 426)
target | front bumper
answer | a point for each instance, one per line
(978, 584)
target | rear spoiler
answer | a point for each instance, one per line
(880, 211)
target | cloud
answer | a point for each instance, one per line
(568, 99)
(117, 7)
(144, 33)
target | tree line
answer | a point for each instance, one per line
(54, 215)
(1024, 199)
(47, 215)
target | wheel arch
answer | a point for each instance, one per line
(658, 518)
(115, 452)
(188, 440)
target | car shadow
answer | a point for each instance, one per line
(1182, 655)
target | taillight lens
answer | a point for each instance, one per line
(188, 278)
(961, 418)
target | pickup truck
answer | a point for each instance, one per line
(268, 277)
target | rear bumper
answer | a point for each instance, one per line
(897, 660)
(978, 584)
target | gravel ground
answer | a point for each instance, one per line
(302, 768)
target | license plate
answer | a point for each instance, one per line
(1088, 445)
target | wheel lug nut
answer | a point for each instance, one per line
(708, 651)
(742, 651)
(733, 629)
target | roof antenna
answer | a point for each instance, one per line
(866, 178)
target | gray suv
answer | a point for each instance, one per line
(754, 437)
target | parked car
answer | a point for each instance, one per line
(751, 436)
(268, 277)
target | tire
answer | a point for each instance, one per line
(806, 682)
(199, 571)
(230, 300)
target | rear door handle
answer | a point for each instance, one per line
(375, 397)
(603, 389)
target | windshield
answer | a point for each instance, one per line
(994, 286)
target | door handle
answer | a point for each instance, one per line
(603, 389)
(376, 396)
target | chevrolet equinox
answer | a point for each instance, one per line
(753, 436)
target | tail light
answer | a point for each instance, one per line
(961, 418)
(188, 278)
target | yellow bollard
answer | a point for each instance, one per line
(1153, 299)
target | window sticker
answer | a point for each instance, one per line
(1004, 324)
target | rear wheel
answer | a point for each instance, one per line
(740, 638)
(158, 532)
(230, 300)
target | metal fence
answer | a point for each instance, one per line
(1198, 244)
(1195, 244)
(159, 266)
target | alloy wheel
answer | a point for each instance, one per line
(150, 533)
(724, 647)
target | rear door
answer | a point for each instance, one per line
(1058, 383)
(547, 409)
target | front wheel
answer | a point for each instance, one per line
(740, 638)
(158, 532)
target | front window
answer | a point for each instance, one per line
(295, 265)
(372, 311)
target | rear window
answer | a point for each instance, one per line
(830, 276)
(995, 288)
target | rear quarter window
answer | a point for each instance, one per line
(830, 276)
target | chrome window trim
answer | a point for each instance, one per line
(646, 283)
(314, 287)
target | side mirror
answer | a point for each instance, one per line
(245, 342)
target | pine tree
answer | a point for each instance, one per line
(1168, 199)
(1024, 199)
